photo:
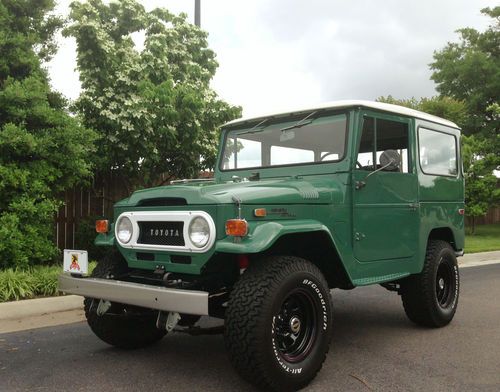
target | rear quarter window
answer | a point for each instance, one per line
(438, 153)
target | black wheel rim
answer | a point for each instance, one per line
(295, 326)
(445, 284)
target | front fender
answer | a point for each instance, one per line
(105, 239)
(262, 235)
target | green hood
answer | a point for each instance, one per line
(319, 190)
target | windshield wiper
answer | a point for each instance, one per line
(300, 123)
(254, 128)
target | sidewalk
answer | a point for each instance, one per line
(40, 312)
(477, 259)
(46, 312)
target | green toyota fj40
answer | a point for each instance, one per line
(346, 194)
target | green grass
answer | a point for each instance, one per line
(15, 285)
(39, 281)
(485, 239)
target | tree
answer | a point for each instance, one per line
(153, 107)
(469, 70)
(445, 107)
(480, 184)
(43, 150)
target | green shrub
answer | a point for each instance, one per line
(39, 281)
(92, 265)
(44, 280)
(15, 285)
(44, 151)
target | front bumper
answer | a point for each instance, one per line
(153, 297)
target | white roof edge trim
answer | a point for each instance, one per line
(386, 107)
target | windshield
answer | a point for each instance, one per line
(288, 142)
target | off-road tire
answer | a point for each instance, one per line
(253, 331)
(117, 327)
(424, 301)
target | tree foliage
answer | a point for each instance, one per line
(153, 106)
(480, 184)
(469, 70)
(43, 150)
(445, 107)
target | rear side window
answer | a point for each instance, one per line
(438, 153)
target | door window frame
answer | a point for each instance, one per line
(389, 117)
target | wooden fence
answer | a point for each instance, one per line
(81, 203)
(493, 216)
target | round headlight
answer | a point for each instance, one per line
(124, 229)
(199, 232)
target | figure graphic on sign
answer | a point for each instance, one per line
(74, 263)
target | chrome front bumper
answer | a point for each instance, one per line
(153, 297)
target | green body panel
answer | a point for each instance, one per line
(164, 259)
(384, 215)
(107, 239)
(440, 198)
(262, 235)
(377, 236)
(380, 231)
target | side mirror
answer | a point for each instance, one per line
(390, 159)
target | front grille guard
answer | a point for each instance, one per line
(136, 217)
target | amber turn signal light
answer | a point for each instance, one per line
(237, 227)
(102, 226)
(260, 212)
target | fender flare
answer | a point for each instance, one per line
(262, 235)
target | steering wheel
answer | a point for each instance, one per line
(359, 165)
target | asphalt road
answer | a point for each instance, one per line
(374, 348)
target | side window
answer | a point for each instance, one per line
(438, 153)
(379, 135)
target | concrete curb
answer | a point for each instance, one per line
(36, 307)
(478, 259)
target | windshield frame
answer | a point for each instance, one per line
(292, 117)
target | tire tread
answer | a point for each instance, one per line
(244, 312)
(125, 332)
(418, 293)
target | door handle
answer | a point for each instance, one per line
(413, 206)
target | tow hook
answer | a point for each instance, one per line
(167, 320)
(103, 307)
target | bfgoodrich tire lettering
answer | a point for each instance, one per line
(431, 297)
(278, 323)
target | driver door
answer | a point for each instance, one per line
(385, 208)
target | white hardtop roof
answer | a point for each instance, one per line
(386, 107)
